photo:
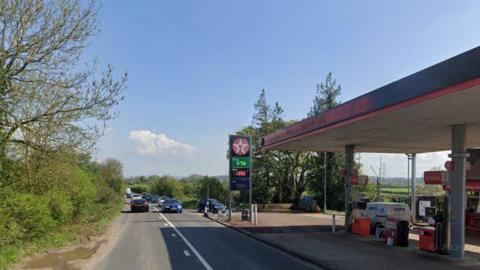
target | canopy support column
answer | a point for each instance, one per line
(349, 162)
(458, 185)
(414, 185)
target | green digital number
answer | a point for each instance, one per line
(240, 162)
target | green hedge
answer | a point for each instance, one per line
(49, 207)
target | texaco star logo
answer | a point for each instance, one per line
(240, 146)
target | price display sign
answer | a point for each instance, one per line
(240, 162)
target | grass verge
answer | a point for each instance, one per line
(89, 225)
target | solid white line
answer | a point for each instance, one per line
(197, 254)
(186, 253)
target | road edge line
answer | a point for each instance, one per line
(273, 245)
(190, 246)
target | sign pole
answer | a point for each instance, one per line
(250, 173)
(230, 206)
(240, 171)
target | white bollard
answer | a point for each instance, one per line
(256, 214)
(252, 214)
(333, 223)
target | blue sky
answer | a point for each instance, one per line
(196, 67)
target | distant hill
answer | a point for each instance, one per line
(222, 178)
(395, 181)
(193, 177)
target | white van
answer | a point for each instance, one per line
(378, 212)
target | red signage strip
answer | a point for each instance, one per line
(472, 185)
(436, 177)
(358, 180)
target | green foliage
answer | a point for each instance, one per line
(51, 194)
(369, 190)
(216, 189)
(140, 188)
(60, 206)
(190, 204)
(167, 186)
(29, 212)
(282, 176)
(111, 170)
(395, 190)
(326, 97)
(50, 110)
(81, 190)
(430, 190)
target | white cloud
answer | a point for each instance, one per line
(148, 143)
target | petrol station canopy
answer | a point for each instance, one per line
(412, 115)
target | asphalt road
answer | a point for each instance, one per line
(189, 241)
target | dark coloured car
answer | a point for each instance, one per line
(154, 199)
(161, 200)
(172, 205)
(139, 205)
(214, 206)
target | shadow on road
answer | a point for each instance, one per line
(224, 248)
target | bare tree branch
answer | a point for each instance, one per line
(46, 100)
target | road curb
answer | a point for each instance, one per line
(274, 245)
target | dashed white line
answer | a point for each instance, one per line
(186, 253)
(174, 235)
(194, 250)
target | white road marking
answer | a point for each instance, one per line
(166, 224)
(186, 253)
(174, 235)
(194, 250)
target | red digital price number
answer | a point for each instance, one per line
(241, 173)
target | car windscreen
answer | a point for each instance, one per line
(171, 201)
(138, 201)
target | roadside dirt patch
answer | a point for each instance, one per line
(61, 260)
(83, 256)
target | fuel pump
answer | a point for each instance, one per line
(442, 231)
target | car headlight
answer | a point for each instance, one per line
(179, 206)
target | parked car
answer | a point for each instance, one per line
(139, 205)
(378, 212)
(172, 205)
(214, 206)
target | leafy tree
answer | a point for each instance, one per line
(46, 99)
(111, 170)
(278, 176)
(215, 189)
(262, 111)
(326, 96)
(167, 186)
(325, 99)
(141, 188)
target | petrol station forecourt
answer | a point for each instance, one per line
(435, 109)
